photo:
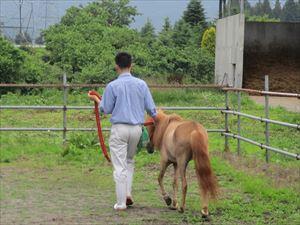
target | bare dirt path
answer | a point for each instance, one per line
(290, 104)
(63, 194)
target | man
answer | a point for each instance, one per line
(126, 98)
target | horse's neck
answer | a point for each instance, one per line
(162, 127)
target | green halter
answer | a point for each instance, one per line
(143, 140)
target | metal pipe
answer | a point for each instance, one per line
(90, 107)
(267, 127)
(192, 108)
(271, 93)
(263, 146)
(65, 90)
(76, 129)
(226, 147)
(239, 122)
(54, 107)
(297, 126)
(104, 85)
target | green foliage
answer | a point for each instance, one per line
(84, 44)
(11, 60)
(290, 12)
(262, 11)
(167, 25)
(194, 14)
(209, 40)
(23, 38)
(182, 33)
(264, 18)
(277, 10)
(266, 7)
(148, 32)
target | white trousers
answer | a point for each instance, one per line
(123, 144)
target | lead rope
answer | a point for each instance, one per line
(99, 128)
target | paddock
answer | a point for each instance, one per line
(226, 110)
(49, 188)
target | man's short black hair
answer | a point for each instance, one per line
(123, 60)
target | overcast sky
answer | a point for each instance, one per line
(155, 10)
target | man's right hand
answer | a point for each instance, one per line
(93, 98)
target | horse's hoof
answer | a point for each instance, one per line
(174, 206)
(181, 210)
(168, 200)
(205, 215)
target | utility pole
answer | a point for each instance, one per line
(242, 2)
(220, 9)
(46, 13)
(20, 15)
(229, 7)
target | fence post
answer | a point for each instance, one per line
(226, 147)
(267, 134)
(239, 123)
(65, 90)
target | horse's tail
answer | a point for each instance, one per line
(205, 175)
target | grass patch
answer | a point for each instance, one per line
(73, 183)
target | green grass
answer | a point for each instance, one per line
(38, 170)
(281, 137)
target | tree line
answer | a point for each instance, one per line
(87, 38)
(289, 11)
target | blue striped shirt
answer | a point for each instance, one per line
(127, 98)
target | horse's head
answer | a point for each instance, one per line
(151, 128)
(150, 125)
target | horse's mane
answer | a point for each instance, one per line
(161, 126)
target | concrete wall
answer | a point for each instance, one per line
(230, 50)
(272, 38)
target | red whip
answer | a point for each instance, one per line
(98, 120)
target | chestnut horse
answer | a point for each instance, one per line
(179, 141)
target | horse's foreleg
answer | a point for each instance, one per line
(175, 187)
(182, 171)
(164, 165)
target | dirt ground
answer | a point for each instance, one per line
(284, 73)
(70, 195)
(290, 104)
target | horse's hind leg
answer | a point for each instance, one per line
(182, 171)
(205, 199)
(164, 165)
(175, 187)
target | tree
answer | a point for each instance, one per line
(40, 39)
(11, 60)
(248, 8)
(276, 13)
(23, 38)
(165, 36)
(258, 9)
(194, 14)
(234, 7)
(148, 30)
(108, 12)
(182, 33)
(266, 7)
(289, 12)
(209, 40)
(167, 25)
(120, 12)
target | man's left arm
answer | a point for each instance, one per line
(149, 103)
(108, 100)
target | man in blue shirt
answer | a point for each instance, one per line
(126, 99)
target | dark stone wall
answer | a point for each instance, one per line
(272, 38)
